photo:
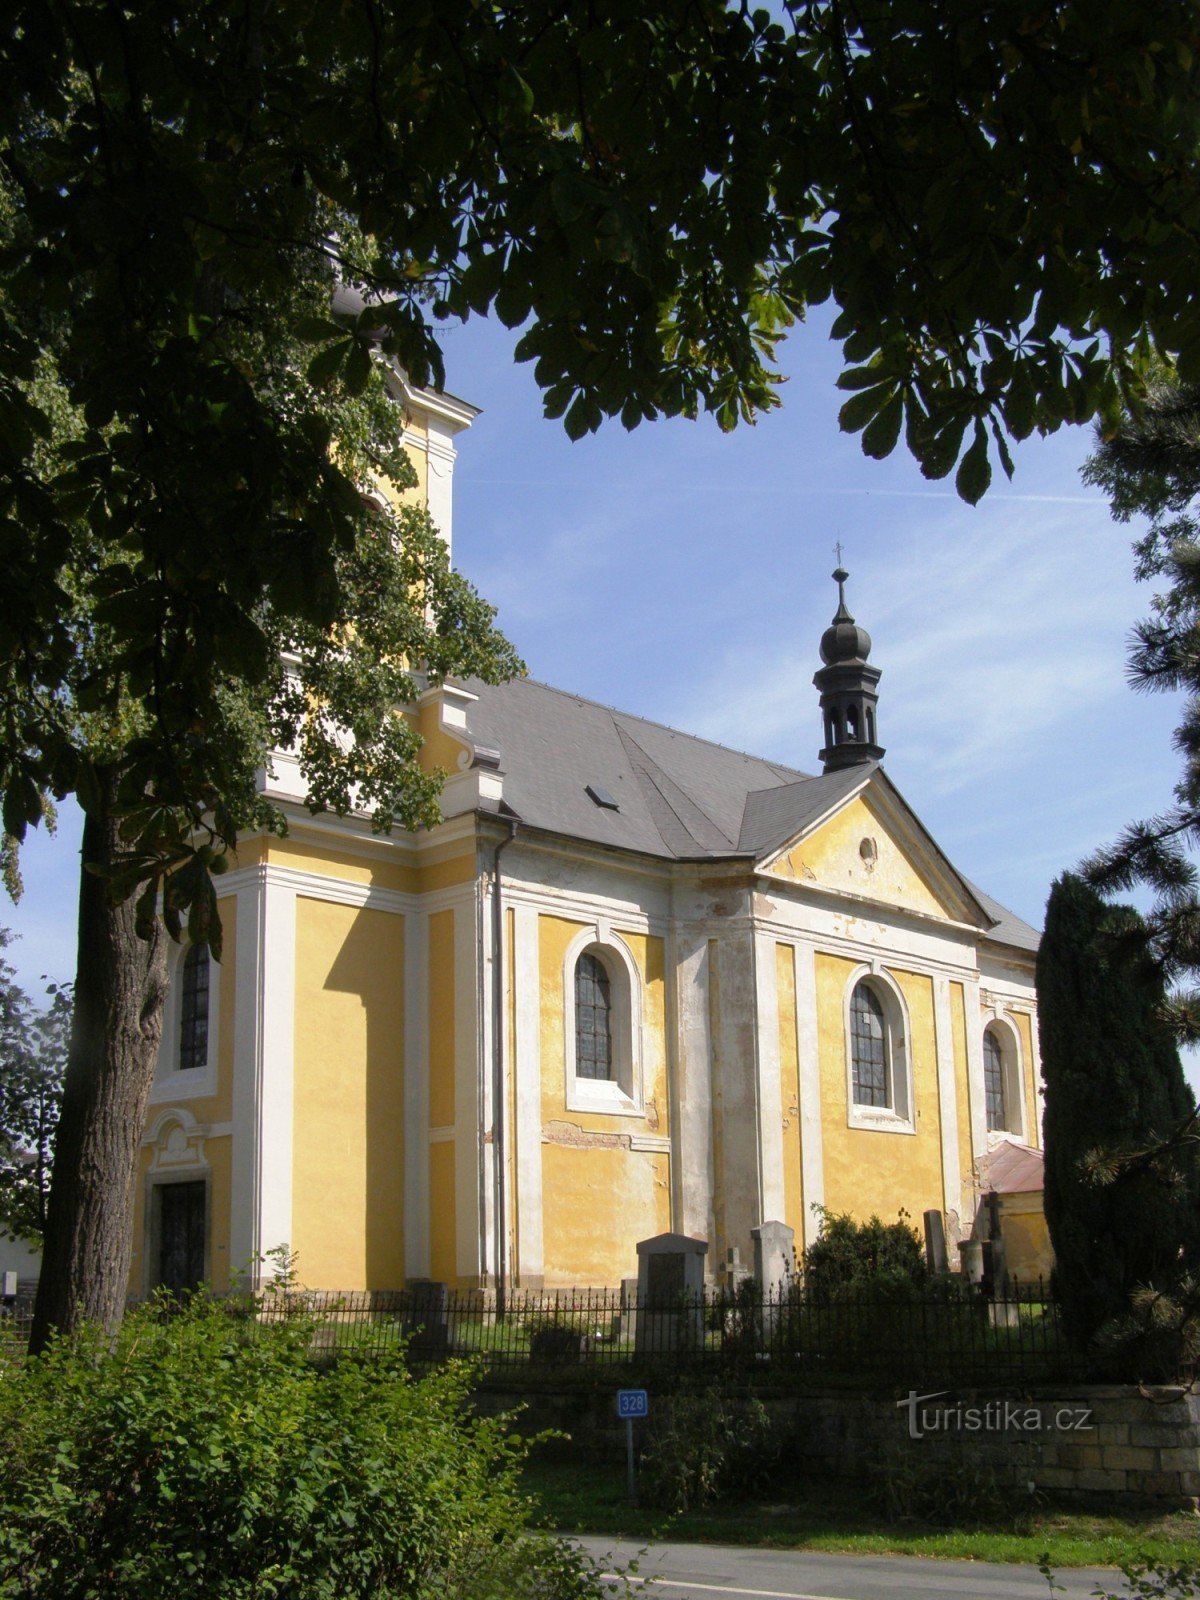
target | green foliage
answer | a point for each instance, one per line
(855, 1256)
(704, 1447)
(1153, 1580)
(33, 1058)
(203, 1454)
(1120, 1192)
(922, 1485)
(1150, 467)
(1001, 202)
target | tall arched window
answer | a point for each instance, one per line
(1002, 1095)
(869, 1048)
(593, 1019)
(993, 1081)
(193, 1009)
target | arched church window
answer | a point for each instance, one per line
(193, 1010)
(993, 1081)
(593, 1018)
(869, 1048)
(851, 722)
(1002, 1078)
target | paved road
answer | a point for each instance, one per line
(707, 1572)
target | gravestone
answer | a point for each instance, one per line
(670, 1293)
(935, 1242)
(629, 1315)
(426, 1318)
(731, 1273)
(774, 1257)
(971, 1254)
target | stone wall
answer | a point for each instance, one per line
(1093, 1441)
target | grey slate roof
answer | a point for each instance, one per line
(679, 796)
(774, 815)
(1009, 929)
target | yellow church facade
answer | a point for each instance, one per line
(635, 983)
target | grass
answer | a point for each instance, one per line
(586, 1497)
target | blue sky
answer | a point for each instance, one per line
(683, 575)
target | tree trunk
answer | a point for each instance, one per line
(120, 987)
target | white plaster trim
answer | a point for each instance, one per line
(416, 1096)
(650, 1141)
(692, 1104)
(971, 1008)
(769, 1081)
(572, 906)
(1012, 1064)
(441, 1135)
(340, 891)
(525, 978)
(277, 1000)
(899, 1116)
(1039, 1083)
(472, 1085)
(943, 1027)
(172, 1082)
(243, 1229)
(458, 413)
(183, 1116)
(624, 1095)
(895, 913)
(263, 1027)
(808, 1062)
(892, 952)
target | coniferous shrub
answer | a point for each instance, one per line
(204, 1454)
(871, 1256)
(1119, 1221)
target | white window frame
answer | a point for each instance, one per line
(176, 1142)
(172, 1082)
(898, 1116)
(1012, 1063)
(622, 1095)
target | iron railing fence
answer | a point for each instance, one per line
(946, 1333)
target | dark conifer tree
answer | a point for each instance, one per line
(1121, 1192)
(1151, 468)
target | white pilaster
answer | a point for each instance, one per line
(952, 1195)
(974, 1031)
(472, 1086)
(439, 479)
(416, 1096)
(1033, 1132)
(525, 1142)
(691, 1102)
(769, 1085)
(264, 1024)
(808, 1057)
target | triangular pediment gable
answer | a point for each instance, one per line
(867, 843)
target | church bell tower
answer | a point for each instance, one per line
(847, 686)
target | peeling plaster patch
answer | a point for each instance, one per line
(652, 1116)
(576, 1138)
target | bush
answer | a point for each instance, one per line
(556, 1342)
(863, 1255)
(204, 1454)
(703, 1447)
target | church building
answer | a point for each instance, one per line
(635, 982)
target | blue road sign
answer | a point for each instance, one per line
(633, 1403)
